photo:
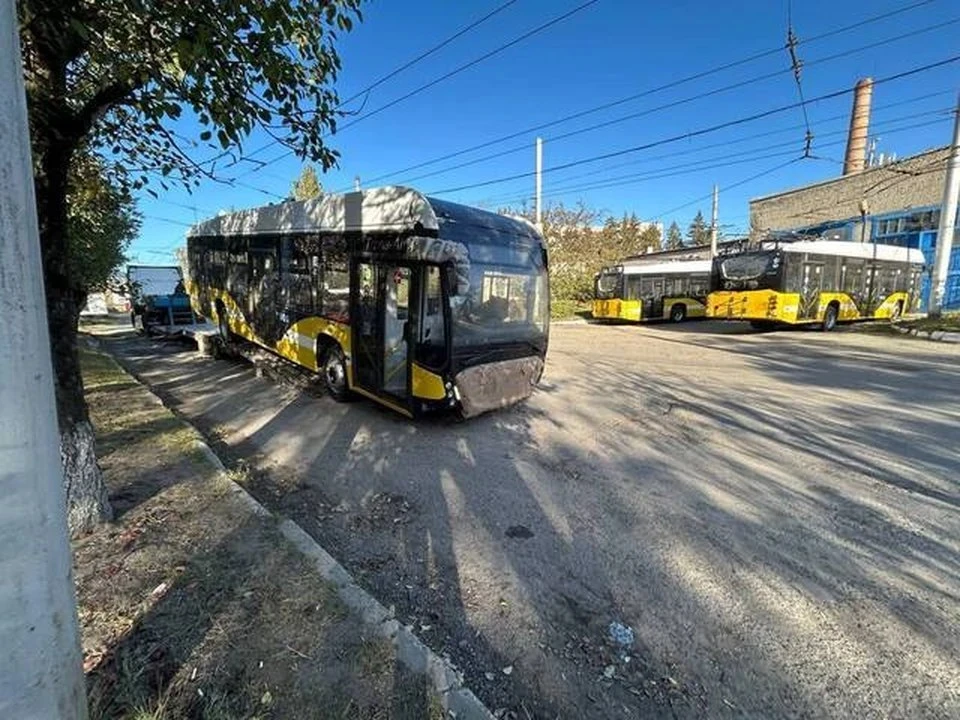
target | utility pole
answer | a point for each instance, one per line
(539, 190)
(713, 222)
(948, 221)
(40, 666)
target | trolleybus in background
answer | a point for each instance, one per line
(671, 289)
(819, 282)
(415, 302)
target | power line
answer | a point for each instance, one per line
(428, 53)
(768, 133)
(697, 133)
(731, 186)
(651, 91)
(448, 75)
(796, 64)
(167, 220)
(393, 73)
(721, 162)
(689, 99)
(630, 178)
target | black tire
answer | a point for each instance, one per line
(678, 312)
(763, 325)
(897, 311)
(223, 325)
(334, 371)
(830, 317)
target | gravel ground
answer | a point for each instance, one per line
(774, 514)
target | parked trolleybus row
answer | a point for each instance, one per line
(774, 282)
(422, 304)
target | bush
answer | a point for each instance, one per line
(565, 309)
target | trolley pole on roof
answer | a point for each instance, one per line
(41, 672)
(713, 222)
(539, 190)
(948, 221)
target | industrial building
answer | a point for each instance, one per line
(896, 203)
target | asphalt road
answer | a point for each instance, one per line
(775, 515)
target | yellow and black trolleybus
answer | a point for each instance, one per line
(415, 302)
(652, 290)
(814, 282)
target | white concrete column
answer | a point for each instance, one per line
(41, 674)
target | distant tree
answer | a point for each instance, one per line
(102, 220)
(581, 241)
(650, 239)
(114, 76)
(699, 232)
(674, 237)
(307, 186)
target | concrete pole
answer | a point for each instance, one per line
(539, 191)
(40, 664)
(948, 221)
(713, 222)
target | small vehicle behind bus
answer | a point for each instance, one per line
(668, 290)
(417, 303)
(158, 297)
(822, 282)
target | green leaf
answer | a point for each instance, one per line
(206, 135)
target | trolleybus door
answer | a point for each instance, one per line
(810, 290)
(380, 319)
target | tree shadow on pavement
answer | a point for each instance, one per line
(747, 534)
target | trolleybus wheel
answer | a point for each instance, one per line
(830, 318)
(678, 313)
(335, 374)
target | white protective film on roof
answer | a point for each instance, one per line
(847, 248)
(380, 209)
(154, 279)
(669, 268)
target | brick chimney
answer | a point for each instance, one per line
(856, 158)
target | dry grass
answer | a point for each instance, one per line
(191, 606)
(948, 321)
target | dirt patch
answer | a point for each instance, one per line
(193, 606)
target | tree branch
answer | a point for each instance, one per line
(101, 102)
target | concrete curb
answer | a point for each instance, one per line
(936, 335)
(456, 699)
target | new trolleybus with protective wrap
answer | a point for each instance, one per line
(417, 303)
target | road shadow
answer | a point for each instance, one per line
(513, 540)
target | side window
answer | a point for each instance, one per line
(432, 345)
(793, 272)
(831, 271)
(401, 280)
(853, 278)
(646, 287)
(303, 271)
(335, 300)
(697, 285)
(237, 268)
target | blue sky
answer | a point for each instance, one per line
(608, 51)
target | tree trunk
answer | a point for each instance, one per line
(87, 502)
